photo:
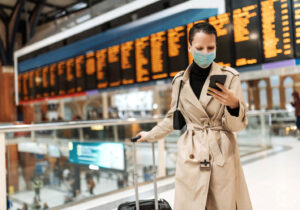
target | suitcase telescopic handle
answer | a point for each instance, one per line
(133, 140)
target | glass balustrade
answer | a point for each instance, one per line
(83, 159)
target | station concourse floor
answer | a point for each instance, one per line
(272, 176)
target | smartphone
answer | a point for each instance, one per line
(221, 78)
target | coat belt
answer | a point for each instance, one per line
(210, 140)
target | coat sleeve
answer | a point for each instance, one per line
(165, 127)
(239, 122)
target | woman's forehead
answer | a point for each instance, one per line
(204, 38)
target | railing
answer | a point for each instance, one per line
(45, 153)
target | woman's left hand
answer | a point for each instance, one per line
(225, 96)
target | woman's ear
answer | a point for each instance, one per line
(189, 47)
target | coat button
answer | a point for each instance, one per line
(191, 156)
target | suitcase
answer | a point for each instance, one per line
(150, 204)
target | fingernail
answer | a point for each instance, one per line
(217, 83)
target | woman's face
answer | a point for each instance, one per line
(203, 42)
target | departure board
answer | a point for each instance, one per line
(31, 78)
(53, 80)
(25, 86)
(80, 73)
(159, 55)
(38, 83)
(45, 79)
(101, 67)
(142, 59)
(71, 81)
(61, 75)
(188, 28)
(296, 23)
(114, 71)
(276, 30)
(127, 63)
(246, 32)
(177, 50)
(90, 71)
(223, 25)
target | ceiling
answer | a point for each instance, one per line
(51, 10)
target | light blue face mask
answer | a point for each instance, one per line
(204, 59)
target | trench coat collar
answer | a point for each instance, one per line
(204, 98)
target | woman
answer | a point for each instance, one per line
(208, 169)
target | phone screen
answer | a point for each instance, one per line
(217, 79)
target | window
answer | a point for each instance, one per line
(275, 91)
(262, 85)
(68, 113)
(288, 89)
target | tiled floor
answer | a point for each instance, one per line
(54, 196)
(273, 179)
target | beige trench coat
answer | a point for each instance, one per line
(209, 136)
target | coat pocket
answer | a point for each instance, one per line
(227, 144)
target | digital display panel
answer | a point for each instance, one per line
(71, 81)
(177, 50)
(128, 63)
(45, 81)
(31, 78)
(256, 31)
(159, 55)
(103, 155)
(101, 68)
(276, 30)
(296, 24)
(38, 83)
(53, 80)
(114, 71)
(80, 73)
(246, 32)
(223, 25)
(25, 86)
(142, 59)
(90, 71)
(61, 74)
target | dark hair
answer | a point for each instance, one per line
(201, 27)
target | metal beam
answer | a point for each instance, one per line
(14, 24)
(3, 16)
(2, 53)
(35, 16)
(6, 6)
(52, 14)
(2, 6)
(67, 7)
(47, 4)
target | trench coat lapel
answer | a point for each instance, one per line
(188, 94)
(204, 98)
